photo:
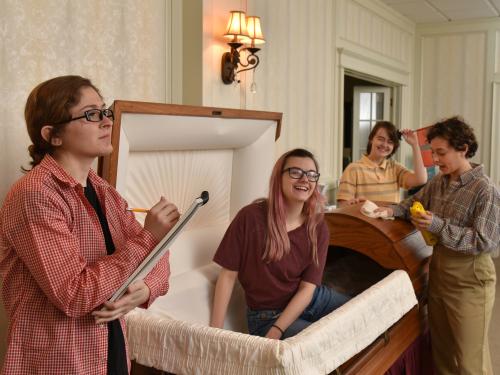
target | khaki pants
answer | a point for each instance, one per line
(461, 297)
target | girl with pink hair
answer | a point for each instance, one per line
(277, 249)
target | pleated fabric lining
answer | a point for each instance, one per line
(191, 348)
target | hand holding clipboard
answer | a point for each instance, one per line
(150, 261)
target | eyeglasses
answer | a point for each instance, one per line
(297, 173)
(92, 115)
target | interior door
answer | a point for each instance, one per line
(370, 104)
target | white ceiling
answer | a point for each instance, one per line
(424, 11)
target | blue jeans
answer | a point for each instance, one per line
(324, 301)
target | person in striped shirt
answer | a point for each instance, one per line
(378, 177)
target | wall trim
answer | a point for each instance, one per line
(389, 14)
(459, 26)
(173, 49)
(388, 75)
(495, 135)
(362, 63)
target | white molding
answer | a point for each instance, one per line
(398, 80)
(371, 66)
(338, 142)
(495, 134)
(459, 26)
(173, 51)
(168, 52)
(368, 54)
(389, 14)
(451, 32)
(496, 56)
(417, 86)
(365, 28)
(486, 148)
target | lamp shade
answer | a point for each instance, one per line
(254, 30)
(237, 27)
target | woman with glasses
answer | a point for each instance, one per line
(67, 242)
(463, 213)
(277, 247)
(376, 176)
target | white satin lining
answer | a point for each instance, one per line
(192, 348)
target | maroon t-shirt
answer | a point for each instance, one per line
(269, 285)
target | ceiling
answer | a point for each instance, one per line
(427, 11)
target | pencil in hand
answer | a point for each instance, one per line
(134, 209)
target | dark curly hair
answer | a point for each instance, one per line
(457, 133)
(392, 131)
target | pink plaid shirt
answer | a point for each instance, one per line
(56, 271)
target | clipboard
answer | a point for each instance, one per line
(156, 254)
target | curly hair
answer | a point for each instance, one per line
(457, 132)
(393, 133)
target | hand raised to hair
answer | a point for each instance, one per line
(410, 137)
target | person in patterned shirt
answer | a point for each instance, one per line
(463, 213)
(67, 242)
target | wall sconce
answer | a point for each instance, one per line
(241, 30)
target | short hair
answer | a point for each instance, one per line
(458, 134)
(392, 131)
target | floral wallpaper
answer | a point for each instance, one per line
(119, 44)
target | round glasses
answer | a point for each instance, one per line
(297, 173)
(92, 115)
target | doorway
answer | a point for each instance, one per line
(365, 102)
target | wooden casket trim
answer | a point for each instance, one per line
(108, 165)
(394, 244)
(381, 354)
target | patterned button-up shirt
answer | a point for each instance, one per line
(55, 270)
(466, 212)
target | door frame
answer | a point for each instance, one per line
(359, 66)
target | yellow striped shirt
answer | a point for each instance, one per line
(366, 179)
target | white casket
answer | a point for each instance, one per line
(178, 151)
